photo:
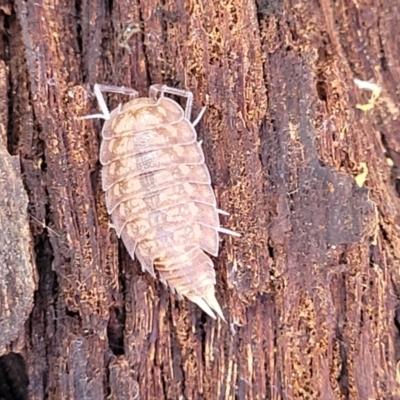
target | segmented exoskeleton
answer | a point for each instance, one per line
(158, 190)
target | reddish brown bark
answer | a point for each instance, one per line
(310, 291)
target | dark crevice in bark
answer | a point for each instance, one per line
(270, 250)
(78, 12)
(9, 127)
(110, 5)
(72, 314)
(263, 149)
(395, 157)
(202, 334)
(372, 249)
(324, 58)
(343, 377)
(143, 44)
(48, 285)
(14, 379)
(117, 312)
(383, 59)
(396, 340)
(321, 90)
(12, 139)
(116, 325)
(176, 354)
(106, 382)
(164, 383)
(43, 319)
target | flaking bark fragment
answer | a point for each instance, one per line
(17, 277)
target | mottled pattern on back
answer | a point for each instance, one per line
(159, 195)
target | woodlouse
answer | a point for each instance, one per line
(158, 190)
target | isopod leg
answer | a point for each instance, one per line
(229, 232)
(155, 89)
(199, 117)
(98, 89)
(222, 212)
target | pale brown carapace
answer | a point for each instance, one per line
(158, 192)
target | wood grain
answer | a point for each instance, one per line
(311, 290)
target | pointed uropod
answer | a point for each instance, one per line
(208, 303)
(158, 190)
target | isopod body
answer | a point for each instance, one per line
(158, 191)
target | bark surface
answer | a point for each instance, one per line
(306, 163)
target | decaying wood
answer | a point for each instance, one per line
(308, 176)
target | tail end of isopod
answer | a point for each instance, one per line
(208, 303)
